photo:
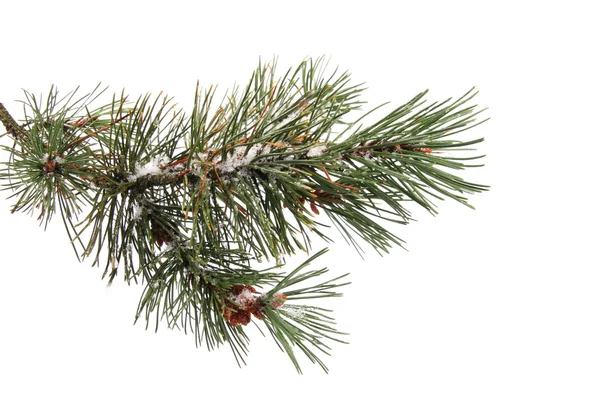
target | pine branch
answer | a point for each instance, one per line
(186, 205)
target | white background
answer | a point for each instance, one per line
(498, 303)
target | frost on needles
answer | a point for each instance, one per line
(189, 204)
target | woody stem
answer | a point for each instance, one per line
(12, 127)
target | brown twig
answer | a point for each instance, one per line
(86, 137)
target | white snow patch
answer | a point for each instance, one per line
(150, 168)
(316, 151)
(292, 157)
(55, 159)
(266, 150)
(241, 157)
(244, 298)
(202, 157)
(294, 311)
(137, 212)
